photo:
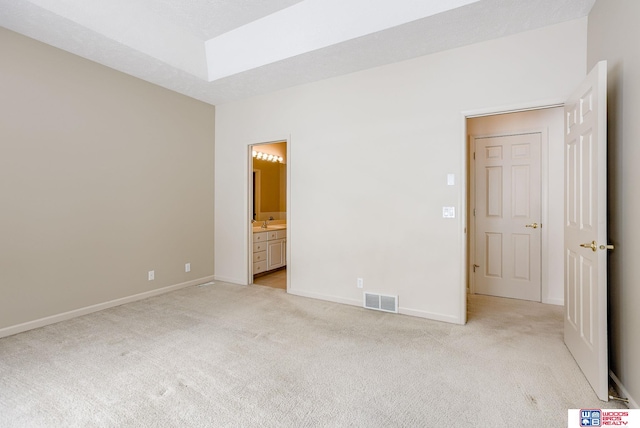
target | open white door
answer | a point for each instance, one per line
(585, 230)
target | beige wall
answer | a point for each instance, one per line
(613, 36)
(103, 177)
(389, 136)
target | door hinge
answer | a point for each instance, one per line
(474, 212)
(474, 155)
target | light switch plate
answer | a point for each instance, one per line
(448, 212)
(451, 179)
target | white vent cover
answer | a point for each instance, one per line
(381, 302)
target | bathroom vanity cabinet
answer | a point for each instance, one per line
(269, 250)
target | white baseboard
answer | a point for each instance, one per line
(358, 302)
(632, 403)
(558, 302)
(327, 297)
(429, 315)
(30, 325)
(230, 280)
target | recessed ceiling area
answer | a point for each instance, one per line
(222, 50)
(308, 26)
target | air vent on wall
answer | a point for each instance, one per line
(381, 302)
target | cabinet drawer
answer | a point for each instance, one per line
(260, 256)
(281, 234)
(272, 235)
(259, 246)
(260, 267)
(260, 236)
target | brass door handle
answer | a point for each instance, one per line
(591, 245)
(532, 225)
(594, 246)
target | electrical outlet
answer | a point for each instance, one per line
(360, 282)
(152, 275)
(187, 267)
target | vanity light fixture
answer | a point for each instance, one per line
(267, 157)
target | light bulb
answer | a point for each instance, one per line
(254, 153)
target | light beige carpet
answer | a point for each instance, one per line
(234, 356)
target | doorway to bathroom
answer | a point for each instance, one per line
(268, 213)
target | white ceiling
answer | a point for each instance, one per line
(222, 50)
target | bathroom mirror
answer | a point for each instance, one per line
(270, 184)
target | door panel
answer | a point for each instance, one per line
(507, 181)
(585, 325)
(522, 257)
(494, 191)
(520, 187)
(494, 255)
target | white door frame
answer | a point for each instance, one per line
(466, 259)
(249, 214)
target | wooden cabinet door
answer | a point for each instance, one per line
(276, 254)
